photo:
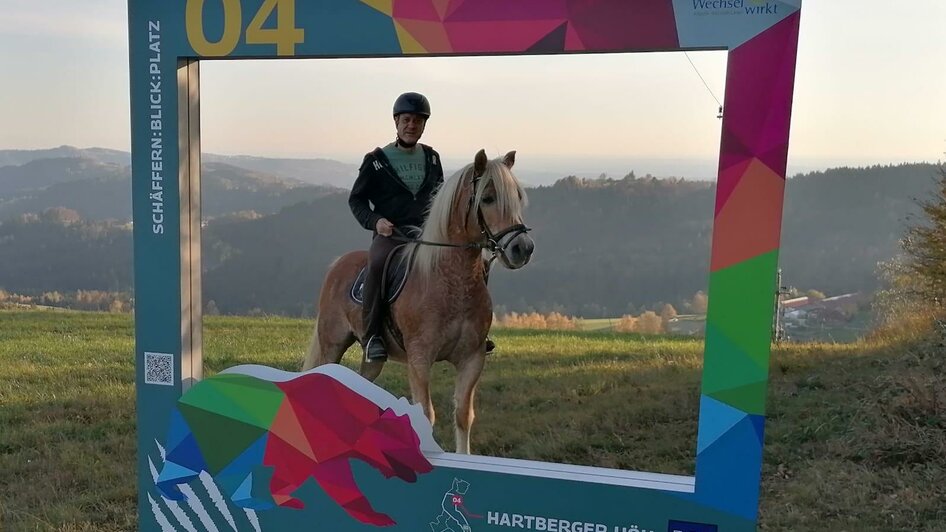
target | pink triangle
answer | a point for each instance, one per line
(509, 36)
(759, 82)
(572, 39)
(622, 25)
(507, 11)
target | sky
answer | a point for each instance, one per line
(870, 88)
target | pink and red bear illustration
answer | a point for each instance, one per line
(236, 426)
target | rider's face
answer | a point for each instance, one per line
(410, 127)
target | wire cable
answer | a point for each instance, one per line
(708, 89)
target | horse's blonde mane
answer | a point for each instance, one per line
(510, 200)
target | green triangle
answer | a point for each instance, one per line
(749, 398)
(221, 439)
(227, 397)
(725, 366)
(258, 398)
(742, 302)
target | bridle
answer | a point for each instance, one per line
(490, 241)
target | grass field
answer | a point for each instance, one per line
(855, 440)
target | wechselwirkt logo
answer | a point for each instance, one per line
(733, 7)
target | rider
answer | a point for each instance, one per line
(399, 180)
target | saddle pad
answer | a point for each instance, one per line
(394, 279)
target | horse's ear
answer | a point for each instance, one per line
(510, 159)
(479, 163)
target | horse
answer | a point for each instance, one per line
(444, 310)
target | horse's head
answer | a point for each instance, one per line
(496, 206)
(479, 206)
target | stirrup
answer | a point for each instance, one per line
(374, 350)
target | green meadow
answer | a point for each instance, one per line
(855, 438)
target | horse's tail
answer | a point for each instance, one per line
(313, 353)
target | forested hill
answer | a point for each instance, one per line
(101, 190)
(604, 247)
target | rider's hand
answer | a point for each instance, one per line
(384, 227)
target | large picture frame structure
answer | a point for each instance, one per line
(167, 41)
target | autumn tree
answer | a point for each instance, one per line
(667, 313)
(925, 245)
(699, 303)
(649, 323)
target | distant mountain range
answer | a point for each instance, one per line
(99, 189)
(604, 247)
(324, 172)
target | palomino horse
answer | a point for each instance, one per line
(444, 311)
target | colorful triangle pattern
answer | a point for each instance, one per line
(746, 232)
(536, 26)
(310, 426)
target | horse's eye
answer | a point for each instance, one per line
(488, 200)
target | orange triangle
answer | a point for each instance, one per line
(286, 426)
(750, 222)
(409, 45)
(432, 36)
(441, 6)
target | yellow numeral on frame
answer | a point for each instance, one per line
(285, 36)
(232, 24)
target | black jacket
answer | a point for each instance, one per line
(378, 183)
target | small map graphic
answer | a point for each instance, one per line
(454, 515)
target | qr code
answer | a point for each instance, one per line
(159, 369)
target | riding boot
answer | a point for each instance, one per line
(373, 307)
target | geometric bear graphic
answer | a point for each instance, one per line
(235, 425)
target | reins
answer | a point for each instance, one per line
(490, 241)
(399, 236)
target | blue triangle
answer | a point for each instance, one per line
(244, 492)
(243, 496)
(172, 471)
(728, 471)
(716, 418)
(758, 423)
(177, 429)
(187, 454)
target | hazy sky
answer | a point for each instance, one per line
(870, 87)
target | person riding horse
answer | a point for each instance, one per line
(443, 311)
(399, 181)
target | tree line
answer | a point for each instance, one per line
(604, 247)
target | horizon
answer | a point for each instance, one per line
(543, 171)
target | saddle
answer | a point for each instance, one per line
(396, 268)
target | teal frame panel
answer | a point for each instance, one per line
(168, 39)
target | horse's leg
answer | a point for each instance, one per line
(468, 374)
(418, 374)
(334, 331)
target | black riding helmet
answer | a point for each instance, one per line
(412, 102)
